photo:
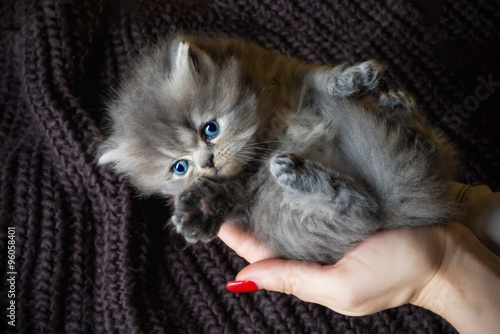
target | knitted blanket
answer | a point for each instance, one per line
(81, 253)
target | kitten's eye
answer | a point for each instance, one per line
(180, 167)
(211, 129)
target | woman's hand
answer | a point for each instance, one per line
(443, 268)
(387, 270)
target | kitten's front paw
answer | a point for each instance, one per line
(350, 80)
(194, 217)
(295, 173)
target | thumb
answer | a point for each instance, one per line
(303, 279)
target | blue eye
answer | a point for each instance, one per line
(211, 129)
(180, 167)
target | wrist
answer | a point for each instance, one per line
(465, 289)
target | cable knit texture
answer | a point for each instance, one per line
(91, 257)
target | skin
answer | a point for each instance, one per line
(443, 268)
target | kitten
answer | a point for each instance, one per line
(288, 150)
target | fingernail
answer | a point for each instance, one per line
(242, 286)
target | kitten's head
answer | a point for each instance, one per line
(180, 115)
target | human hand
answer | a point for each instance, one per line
(443, 268)
(390, 269)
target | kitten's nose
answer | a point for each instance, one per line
(209, 163)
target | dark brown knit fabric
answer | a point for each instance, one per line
(93, 258)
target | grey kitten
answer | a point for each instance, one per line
(288, 150)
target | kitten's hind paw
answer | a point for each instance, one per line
(397, 102)
(400, 109)
(350, 80)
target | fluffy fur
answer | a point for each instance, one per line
(300, 159)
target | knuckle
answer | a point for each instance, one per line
(289, 285)
(291, 280)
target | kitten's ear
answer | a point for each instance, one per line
(180, 65)
(108, 152)
(188, 58)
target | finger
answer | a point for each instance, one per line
(333, 286)
(243, 243)
(307, 281)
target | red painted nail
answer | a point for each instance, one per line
(242, 286)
